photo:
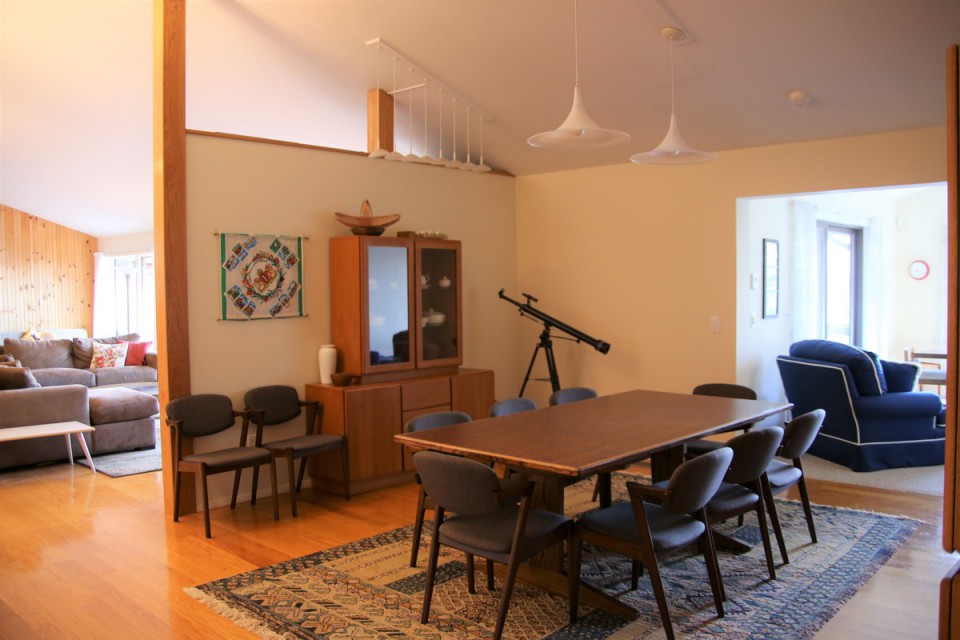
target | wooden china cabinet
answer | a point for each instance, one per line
(396, 319)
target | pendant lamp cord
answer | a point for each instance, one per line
(673, 97)
(576, 47)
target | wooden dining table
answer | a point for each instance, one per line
(595, 436)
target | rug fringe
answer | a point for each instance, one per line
(239, 618)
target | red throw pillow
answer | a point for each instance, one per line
(136, 353)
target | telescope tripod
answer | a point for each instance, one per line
(546, 343)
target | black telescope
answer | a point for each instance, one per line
(549, 322)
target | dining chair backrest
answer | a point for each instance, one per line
(725, 390)
(436, 419)
(279, 403)
(202, 415)
(459, 485)
(695, 481)
(572, 394)
(512, 405)
(800, 433)
(752, 452)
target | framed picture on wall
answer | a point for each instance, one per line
(771, 278)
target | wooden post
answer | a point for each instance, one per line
(379, 120)
(170, 223)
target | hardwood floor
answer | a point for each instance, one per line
(84, 556)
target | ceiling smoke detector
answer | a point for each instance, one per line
(799, 98)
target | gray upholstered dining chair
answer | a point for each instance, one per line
(424, 503)
(741, 490)
(717, 390)
(208, 414)
(571, 394)
(276, 404)
(512, 405)
(486, 522)
(648, 531)
(798, 435)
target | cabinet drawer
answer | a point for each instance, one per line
(425, 393)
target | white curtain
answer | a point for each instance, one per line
(104, 301)
(878, 298)
(804, 292)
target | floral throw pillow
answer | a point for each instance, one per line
(108, 355)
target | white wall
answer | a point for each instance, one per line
(131, 243)
(250, 187)
(643, 256)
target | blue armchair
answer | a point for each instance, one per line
(875, 420)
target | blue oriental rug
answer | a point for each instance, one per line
(365, 589)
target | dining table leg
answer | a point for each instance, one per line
(663, 463)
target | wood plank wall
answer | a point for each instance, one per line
(46, 274)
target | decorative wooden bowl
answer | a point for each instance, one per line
(367, 224)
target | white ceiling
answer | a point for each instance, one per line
(75, 80)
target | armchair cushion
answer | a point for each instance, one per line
(868, 374)
(901, 376)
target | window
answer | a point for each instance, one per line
(125, 296)
(839, 266)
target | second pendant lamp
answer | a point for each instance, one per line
(673, 149)
(579, 129)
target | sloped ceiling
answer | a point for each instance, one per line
(75, 85)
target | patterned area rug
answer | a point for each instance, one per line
(366, 589)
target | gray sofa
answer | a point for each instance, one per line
(53, 383)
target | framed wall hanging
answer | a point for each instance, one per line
(771, 278)
(261, 276)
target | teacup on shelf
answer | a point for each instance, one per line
(444, 282)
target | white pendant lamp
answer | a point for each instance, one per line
(453, 163)
(579, 129)
(379, 152)
(673, 149)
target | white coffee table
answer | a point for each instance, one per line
(53, 429)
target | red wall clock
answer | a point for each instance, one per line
(918, 269)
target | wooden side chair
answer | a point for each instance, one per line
(511, 405)
(424, 503)
(647, 531)
(206, 415)
(486, 522)
(717, 390)
(741, 490)
(798, 435)
(276, 404)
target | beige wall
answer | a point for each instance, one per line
(642, 256)
(249, 187)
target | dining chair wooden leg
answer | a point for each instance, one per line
(431, 566)
(807, 511)
(765, 536)
(206, 502)
(418, 527)
(661, 597)
(713, 570)
(176, 495)
(510, 580)
(236, 488)
(471, 577)
(573, 597)
(293, 490)
(774, 517)
(273, 488)
(636, 570)
(301, 472)
(489, 575)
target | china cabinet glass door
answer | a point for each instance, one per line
(439, 295)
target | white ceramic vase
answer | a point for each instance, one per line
(327, 357)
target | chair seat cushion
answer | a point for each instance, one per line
(494, 534)
(731, 499)
(227, 459)
(307, 445)
(669, 530)
(782, 474)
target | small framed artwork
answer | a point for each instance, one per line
(771, 278)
